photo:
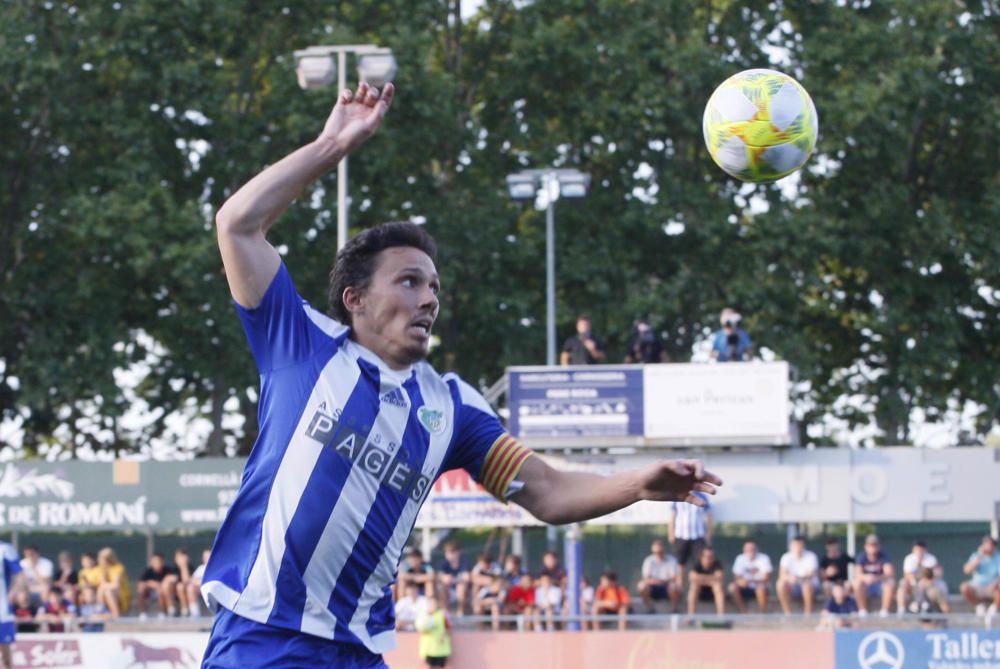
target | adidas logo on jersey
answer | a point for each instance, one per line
(394, 397)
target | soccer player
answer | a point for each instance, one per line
(354, 429)
(11, 567)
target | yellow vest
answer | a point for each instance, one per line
(435, 640)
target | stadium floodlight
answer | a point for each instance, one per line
(524, 185)
(315, 68)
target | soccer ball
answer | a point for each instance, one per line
(760, 125)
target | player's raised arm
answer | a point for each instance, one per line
(242, 222)
(556, 497)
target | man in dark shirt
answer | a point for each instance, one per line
(415, 570)
(159, 578)
(875, 578)
(646, 346)
(454, 575)
(583, 348)
(552, 569)
(706, 582)
(833, 565)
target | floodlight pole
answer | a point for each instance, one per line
(550, 269)
(342, 165)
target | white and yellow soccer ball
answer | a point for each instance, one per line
(760, 125)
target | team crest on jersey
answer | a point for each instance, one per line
(431, 419)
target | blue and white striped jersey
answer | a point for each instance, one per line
(348, 450)
(689, 519)
(11, 566)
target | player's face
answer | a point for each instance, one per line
(393, 317)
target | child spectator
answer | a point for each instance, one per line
(521, 600)
(56, 611)
(454, 576)
(512, 569)
(552, 568)
(491, 598)
(434, 626)
(415, 570)
(66, 576)
(839, 608)
(410, 606)
(193, 587)
(92, 612)
(610, 598)
(548, 601)
(24, 613)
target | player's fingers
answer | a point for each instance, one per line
(372, 97)
(694, 499)
(704, 487)
(709, 477)
(346, 95)
(362, 91)
(388, 93)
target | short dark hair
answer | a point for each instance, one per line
(355, 263)
(832, 540)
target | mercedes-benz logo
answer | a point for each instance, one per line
(881, 650)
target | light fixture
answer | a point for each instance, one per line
(522, 186)
(573, 183)
(314, 69)
(377, 68)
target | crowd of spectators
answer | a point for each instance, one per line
(693, 573)
(83, 596)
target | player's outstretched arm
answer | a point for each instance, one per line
(242, 222)
(556, 497)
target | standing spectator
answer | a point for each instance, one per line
(193, 597)
(646, 346)
(66, 576)
(10, 569)
(113, 590)
(706, 580)
(798, 576)
(548, 601)
(583, 348)
(38, 572)
(661, 578)
(56, 610)
(454, 576)
(512, 570)
(833, 567)
(92, 612)
(435, 633)
(159, 579)
(751, 577)
(983, 570)
(914, 565)
(610, 598)
(690, 529)
(839, 608)
(875, 577)
(412, 604)
(731, 343)
(415, 570)
(552, 568)
(520, 600)
(24, 613)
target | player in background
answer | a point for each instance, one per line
(11, 566)
(354, 428)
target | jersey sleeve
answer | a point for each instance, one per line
(491, 455)
(11, 563)
(279, 329)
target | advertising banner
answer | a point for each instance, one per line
(109, 651)
(918, 649)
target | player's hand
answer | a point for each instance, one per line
(677, 481)
(356, 116)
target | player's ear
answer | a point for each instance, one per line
(354, 299)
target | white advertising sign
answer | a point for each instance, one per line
(109, 651)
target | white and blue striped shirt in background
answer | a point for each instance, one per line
(11, 566)
(689, 519)
(347, 452)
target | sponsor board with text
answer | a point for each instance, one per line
(918, 649)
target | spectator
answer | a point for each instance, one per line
(875, 577)
(732, 343)
(24, 612)
(610, 598)
(92, 612)
(833, 566)
(184, 574)
(690, 529)
(839, 607)
(10, 578)
(583, 348)
(194, 587)
(586, 595)
(159, 579)
(56, 610)
(415, 570)
(435, 633)
(113, 588)
(548, 601)
(914, 565)
(751, 577)
(512, 570)
(983, 570)
(38, 572)
(798, 576)
(930, 594)
(412, 604)
(491, 599)
(661, 578)
(520, 600)
(706, 582)
(552, 568)
(646, 346)
(454, 576)
(482, 576)
(66, 576)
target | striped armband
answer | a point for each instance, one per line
(503, 462)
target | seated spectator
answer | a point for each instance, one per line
(914, 565)
(412, 604)
(586, 595)
(661, 578)
(751, 577)
(92, 612)
(415, 570)
(193, 587)
(548, 601)
(706, 582)
(491, 600)
(24, 613)
(113, 589)
(731, 343)
(66, 576)
(520, 600)
(875, 577)
(512, 570)
(159, 580)
(483, 572)
(833, 566)
(983, 570)
(610, 598)
(930, 594)
(798, 576)
(182, 561)
(454, 576)
(38, 572)
(839, 608)
(646, 346)
(552, 568)
(56, 610)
